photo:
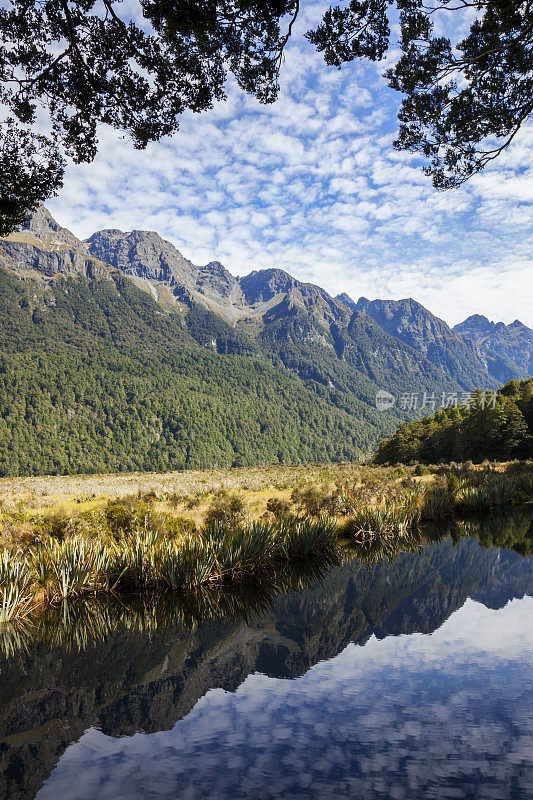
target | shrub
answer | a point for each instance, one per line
(420, 469)
(226, 507)
(279, 507)
(58, 526)
(310, 500)
(496, 493)
(73, 566)
(388, 518)
(124, 516)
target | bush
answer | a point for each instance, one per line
(279, 507)
(420, 469)
(59, 526)
(124, 516)
(311, 500)
(225, 507)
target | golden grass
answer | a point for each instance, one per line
(189, 494)
(58, 546)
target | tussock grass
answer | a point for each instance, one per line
(497, 493)
(16, 590)
(136, 543)
(146, 559)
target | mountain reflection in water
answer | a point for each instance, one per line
(327, 684)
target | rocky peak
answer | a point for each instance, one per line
(260, 286)
(477, 325)
(346, 300)
(519, 325)
(408, 320)
(41, 221)
(43, 226)
(413, 324)
(511, 343)
(44, 249)
(267, 286)
(214, 280)
(143, 254)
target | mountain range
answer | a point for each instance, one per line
(118, 353)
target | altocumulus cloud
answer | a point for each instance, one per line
(312, 185)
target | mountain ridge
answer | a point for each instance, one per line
(509, 343)
(201, 342)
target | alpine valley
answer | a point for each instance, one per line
(119, 354)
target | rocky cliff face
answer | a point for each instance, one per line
(143, 254)
(43, 250)
(413, 324)
(502, 345)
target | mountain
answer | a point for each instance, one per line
(413, 324)
(296, 325)
(503, 346)
(118, 353)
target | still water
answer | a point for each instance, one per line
(408, 678)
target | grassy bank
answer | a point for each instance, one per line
(145, 542)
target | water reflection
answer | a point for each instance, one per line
(319, 682)
(411, 717)
(76, 624)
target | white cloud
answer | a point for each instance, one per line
(313, 185)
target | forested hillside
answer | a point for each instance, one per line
(94, 378)
(501, 430)
(118, 353)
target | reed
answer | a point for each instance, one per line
(389, 518)
(17, 594)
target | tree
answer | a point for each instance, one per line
(78, 63)
(464, 101)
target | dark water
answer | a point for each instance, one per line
(408, 678)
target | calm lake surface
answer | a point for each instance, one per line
(408, 678)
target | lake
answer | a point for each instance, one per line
(404, 678)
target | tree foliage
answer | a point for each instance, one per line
(464, 101)
(85, 62)
(503, 430)
(77, 63)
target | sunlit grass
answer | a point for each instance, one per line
(17, 593)
(141, 542)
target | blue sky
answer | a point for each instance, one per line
(313, 185)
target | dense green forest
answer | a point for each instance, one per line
(481, 430)
(95, 378)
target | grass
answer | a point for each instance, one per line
(16, 589)
(145, 543)
(146, 559)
